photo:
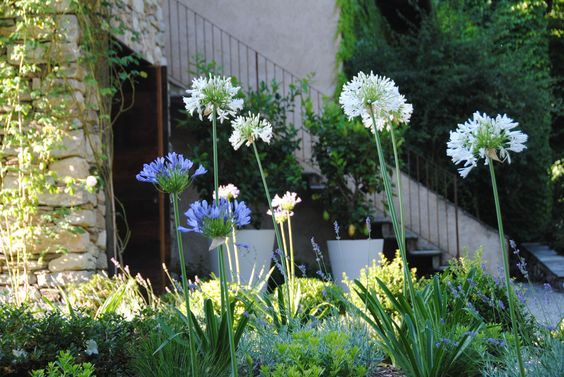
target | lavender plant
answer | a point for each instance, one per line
(490, 139)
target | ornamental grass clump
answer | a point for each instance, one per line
(172, 175)
(491, 139)
(216, 98)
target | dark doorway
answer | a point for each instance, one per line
(139, 137)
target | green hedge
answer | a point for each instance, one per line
(466, 56)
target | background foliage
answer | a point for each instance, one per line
(464, 56)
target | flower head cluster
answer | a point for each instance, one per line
(216, 221)
(248, 129)
(213, 92)
(371, 94)
(484, 137)
(171, 173)
(227, 192)
(284, 206)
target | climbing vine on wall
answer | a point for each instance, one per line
(60, 69)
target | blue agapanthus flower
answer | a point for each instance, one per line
(216, 221)
(171, 173)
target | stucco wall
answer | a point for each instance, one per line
(296, 35)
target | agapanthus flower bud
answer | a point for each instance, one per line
(248, 129)
(170, 174)
(484, 137)
(210, 92)
(371, 94)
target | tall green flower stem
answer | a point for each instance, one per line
(235, 253)
(509, 288)
(236, 256)
(185, 288)
(277, 232)
(392, 209)
(222, 277)
(291, 241)
(400, 200)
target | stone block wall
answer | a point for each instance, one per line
(72, 247)
(144, 19)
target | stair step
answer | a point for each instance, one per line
(550, 262)
(389, 234)
(425, 253)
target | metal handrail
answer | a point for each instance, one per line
(190, 34)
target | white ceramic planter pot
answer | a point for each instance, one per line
(350, 256)
(254, 261)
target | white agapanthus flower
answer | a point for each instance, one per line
(213, 91)
(366, 93)
(482, 137)
(248, 129)
(227, 192)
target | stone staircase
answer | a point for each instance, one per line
(544, 264)
(422, 255)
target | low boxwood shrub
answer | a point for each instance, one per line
(35, 339)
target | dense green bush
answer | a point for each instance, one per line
(65, 366)
(467, 56)
(486, 295)
(390, 272)
(350, 177)
(34, 341)
(318, 298)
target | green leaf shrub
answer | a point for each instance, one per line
(467, 56)
(486, 295)
(318, 298)
(161, 350)
(35, 339)
(64, 366)
(348, 161)
(390, 272)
